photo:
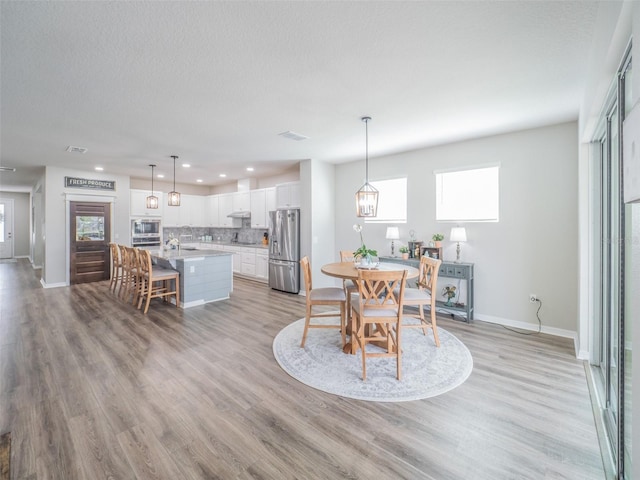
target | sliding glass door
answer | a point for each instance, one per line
(610, 353)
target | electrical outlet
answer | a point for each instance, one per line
(533, 298)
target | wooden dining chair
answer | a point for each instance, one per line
(156, 282)
(350, 286)
(129, 273)
(335, 296)
(116, 267)
(424, 295)
(379, 305)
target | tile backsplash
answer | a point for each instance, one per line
(245, 234)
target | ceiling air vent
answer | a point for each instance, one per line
(73, 149)
(293, 136)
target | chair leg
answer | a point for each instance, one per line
(363, 343)
(423, 322)
(149, 290)
(434, 327)
(343, 325)
(143, 292)
(176, 283)
(113, 282)
(307, 319)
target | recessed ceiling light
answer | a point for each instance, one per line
(186, 165)
(199, 180)
(249, 169)
(99, 169)
(160, 175)
(222, 175)
(293, 136)
(73, 149)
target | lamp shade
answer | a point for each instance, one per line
(393, 233)
(152, 200)
(458, 234)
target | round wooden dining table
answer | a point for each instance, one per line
(349, 271)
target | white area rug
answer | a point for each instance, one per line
(427, 371)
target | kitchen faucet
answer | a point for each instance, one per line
(189, 236)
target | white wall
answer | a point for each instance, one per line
(533, 249)
(55, 270)
(21, 222)
(318, 229)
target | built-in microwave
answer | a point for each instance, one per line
(145, 232)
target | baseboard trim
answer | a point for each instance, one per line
(52, 285)
(558, 332)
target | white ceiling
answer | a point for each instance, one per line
(216, 82)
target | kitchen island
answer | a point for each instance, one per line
(205, 275)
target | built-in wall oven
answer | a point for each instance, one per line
(145, 232)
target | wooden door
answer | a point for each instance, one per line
(90, 234)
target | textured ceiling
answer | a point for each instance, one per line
(215, 82)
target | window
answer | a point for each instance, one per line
(392, 201)
(469, 195)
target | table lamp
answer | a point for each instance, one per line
(393, 234)
(458, 234)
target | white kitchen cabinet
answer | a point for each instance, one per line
(225, 207)
(249, 261)
(190, 212)
(171, 216)
(270, 202)
(258, 208)
(241, 201)
(211, 213)
(288, 195)
(262, 263)
(138, 205)
(237, 257)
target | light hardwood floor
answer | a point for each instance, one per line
(91, 388)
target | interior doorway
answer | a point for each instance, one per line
(6, 228)
(90, 231)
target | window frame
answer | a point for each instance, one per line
(461, 219)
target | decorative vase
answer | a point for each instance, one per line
(405, 256)
(438, 244)
(365, 260)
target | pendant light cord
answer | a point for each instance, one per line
(366, 136)
(366, 147)
(174, 171)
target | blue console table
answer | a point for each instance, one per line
(462, 271)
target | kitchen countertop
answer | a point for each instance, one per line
(231, 244)
(185, 253)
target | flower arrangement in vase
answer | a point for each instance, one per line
(405, 252)
(363, 253)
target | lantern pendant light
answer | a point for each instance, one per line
(367, 196)
(174, 197)
(152, 200)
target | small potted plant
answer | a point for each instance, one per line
(437, 239)
(405, 252)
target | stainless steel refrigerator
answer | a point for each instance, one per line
(284, 250)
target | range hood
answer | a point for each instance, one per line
(240, 214)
